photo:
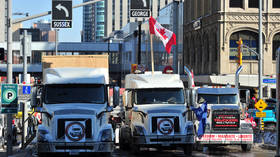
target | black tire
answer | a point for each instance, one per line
(188, 149)
(42, 155)
(124, 143)
(135, 149)
(246, 147)
(107, 154)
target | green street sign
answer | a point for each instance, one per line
(9, 98)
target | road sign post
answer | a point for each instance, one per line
(62, 14)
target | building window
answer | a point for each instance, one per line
(250, 39)
(276, 4)
(236, 3)
(275, 45)
(254, 3)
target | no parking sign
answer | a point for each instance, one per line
(9, 98)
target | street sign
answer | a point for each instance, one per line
(269, 80)
(140, 8)
(9, 98)
(260, 114)
(24, 91)
(62, 14)
(260, 105)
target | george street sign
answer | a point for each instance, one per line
(62, 14)
(140, 8)
(260, 105)
(9, 98)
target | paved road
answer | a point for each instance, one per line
(227, 151)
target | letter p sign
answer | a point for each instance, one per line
(9, 95)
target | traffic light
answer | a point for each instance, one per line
(2, 53)
(239, 52)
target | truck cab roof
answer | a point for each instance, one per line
(219, 91)
(156, 80)
(76, 75)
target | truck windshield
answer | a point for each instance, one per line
(74, 93)
(160, 96)
(219, 99)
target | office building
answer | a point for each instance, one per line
(102, 18)
(211, 29)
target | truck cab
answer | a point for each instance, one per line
(225, 118)
(75, 112)
(156, 113)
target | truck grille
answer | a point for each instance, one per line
(176, 123)
(225, 119)
(61, 127)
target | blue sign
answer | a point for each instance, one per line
(26, 89)
(269, 80)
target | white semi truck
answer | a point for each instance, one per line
(225, 124)
(75, 112)
(156, 113)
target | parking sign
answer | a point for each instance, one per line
(9, 98)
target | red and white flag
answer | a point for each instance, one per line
(167, 37)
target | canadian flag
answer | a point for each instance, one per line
(167, 37)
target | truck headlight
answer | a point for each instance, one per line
(139, 131)
(42, 135)
(106, 135)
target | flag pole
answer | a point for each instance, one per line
(152, 53)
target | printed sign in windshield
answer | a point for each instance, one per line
(225, 119)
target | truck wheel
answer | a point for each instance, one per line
(246, 147)
(42, 154)
(123, 138)
(135, 149)
(188, 149)
(107, 154)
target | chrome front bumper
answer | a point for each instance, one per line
(74, 147)
(163, 140)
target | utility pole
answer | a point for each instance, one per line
(9, 73)
(139, 42)
(56, 40)
(260, 51)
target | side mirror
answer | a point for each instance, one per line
(247, 96)
(116, 96)
(35, 98)
(194, 98)
(188, 96)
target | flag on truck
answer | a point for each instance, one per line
(167, 37)
(201, 115)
